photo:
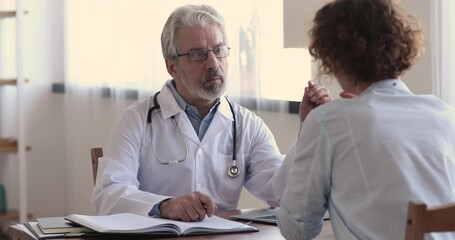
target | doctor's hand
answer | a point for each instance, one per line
(314, 96)
(188, 208)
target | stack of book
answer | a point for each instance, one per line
(56, 227)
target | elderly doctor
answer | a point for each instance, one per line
(187, 150)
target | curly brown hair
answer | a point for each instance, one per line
(369, 40)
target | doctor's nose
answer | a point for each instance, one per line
(212, 62)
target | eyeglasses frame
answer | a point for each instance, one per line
(207, 53)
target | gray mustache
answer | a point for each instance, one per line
(214, 73)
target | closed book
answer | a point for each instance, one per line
(50, 225)
(35, 232)
(128, 223)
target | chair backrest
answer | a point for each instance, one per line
(95, 153)
(422, 220)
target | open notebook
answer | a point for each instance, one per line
(128, 223)
(266, 215)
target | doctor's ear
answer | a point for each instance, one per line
(171, 66)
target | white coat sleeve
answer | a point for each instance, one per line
(117, 186)
(266, 173)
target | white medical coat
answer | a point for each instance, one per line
(131, 178)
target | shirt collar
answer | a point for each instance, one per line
(387, 83)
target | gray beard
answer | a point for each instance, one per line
(208, 92)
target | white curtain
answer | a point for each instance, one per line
(115, 45)
(443, 49)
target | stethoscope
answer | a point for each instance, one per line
(232, 171)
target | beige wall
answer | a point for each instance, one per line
(298, 15)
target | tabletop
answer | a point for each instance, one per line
(266, 231)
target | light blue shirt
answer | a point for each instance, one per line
(200, 125)
(363, 159)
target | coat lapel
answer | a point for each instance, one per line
(221, 121)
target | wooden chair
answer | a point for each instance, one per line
(422, 220)
(96, 153)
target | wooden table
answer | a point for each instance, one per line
(266, 231)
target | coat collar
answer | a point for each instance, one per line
(169, 106)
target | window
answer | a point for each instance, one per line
(116, 44)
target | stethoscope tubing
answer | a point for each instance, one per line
(232, 171)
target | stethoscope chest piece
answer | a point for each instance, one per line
(233, 171)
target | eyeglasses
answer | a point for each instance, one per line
(202, 54)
